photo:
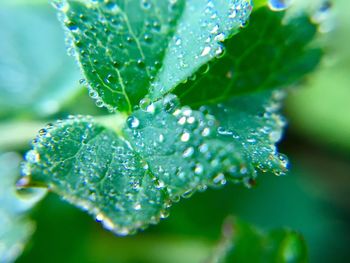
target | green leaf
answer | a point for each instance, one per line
(242, 242)
(279, 49)
(129, 49)
(15, 229)
(35, 74)
(128, 178)
(259, 3)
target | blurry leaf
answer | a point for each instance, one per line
(321, 109)
(259, 3)
(159, 43)
(35, 73)
(15, 229)
(242, 243)
(270, 53)
(128, 178)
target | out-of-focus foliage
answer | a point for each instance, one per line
(15, 228)
(36, 75)
(321, 110)
(244, 243)
(314, 202)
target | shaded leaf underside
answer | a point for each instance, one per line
(270, 53)
(128, 180)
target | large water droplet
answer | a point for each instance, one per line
(133, 122)
(147, 105)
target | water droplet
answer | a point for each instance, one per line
(32, 156)
(198, 169)
(215, 29)
(188, 193)
(133, 122)
(137, 206)
(188, 152)
(161, 138)
(279, 5)
(113, 7)
(205, 132)
(205, 51)
(146, 4)
(61, 5)
(203, 148)
(191, 120)
(219, 179)
(178, 41)
(182, 120)
(185, 137)
(220, 37)
(147, 105)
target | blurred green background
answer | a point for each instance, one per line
(38, 81)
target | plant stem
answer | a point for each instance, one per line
(18, 135)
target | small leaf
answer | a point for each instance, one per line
(242, 243)
(128, 178)
(129, 49)
(15, 228)
(272, 52)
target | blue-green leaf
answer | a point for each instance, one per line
(127, 178)
(127, 49)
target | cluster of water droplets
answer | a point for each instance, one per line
(169, 151)
(112, 46)
(198, 38)
(181, 149)
(92, 168)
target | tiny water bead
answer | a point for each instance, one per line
(213, 24)
(185, 137)
(32, 156)
(147, 105)
(279, 5)
(133, 122)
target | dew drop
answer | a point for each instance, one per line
(137, 206)
(133, 122)
(279, 5)
(205, 51)
(161, 138)
(99, 217)
(182, 120)
(191, 120)
(188, 152)
(146, 4)
(203, 148)
(185, 137)
(219, 179)
(198, 169)
(178, 42)
(205, 132)
(147, 105)
(32, 156)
